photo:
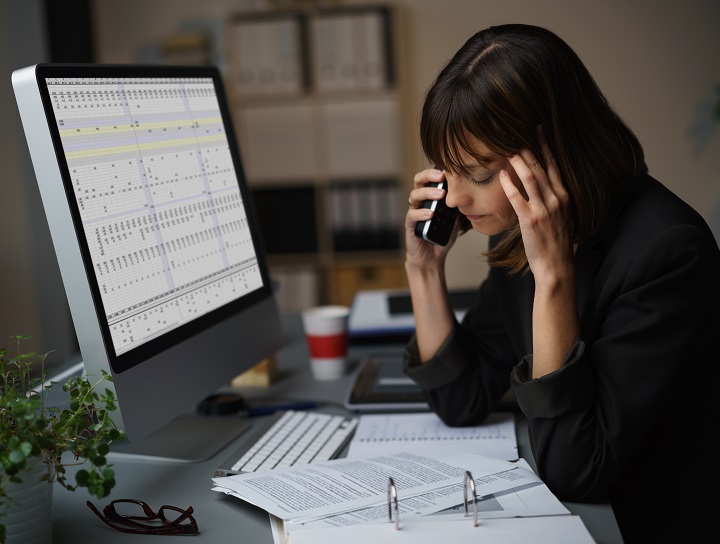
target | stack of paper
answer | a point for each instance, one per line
(312, 503)
(347, 491)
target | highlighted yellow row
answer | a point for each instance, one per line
(134, 148)
(115, 129)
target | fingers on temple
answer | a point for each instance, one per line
(553, 172)
(512, 192)
(529, 171)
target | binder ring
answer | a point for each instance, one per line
(469, 478)
(392, 502)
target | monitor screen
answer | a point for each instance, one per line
(152, 223)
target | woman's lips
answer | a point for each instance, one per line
(473, 218)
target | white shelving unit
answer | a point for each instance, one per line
(317, 109)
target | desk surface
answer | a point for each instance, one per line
(227, 519)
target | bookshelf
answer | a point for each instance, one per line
(316, 104)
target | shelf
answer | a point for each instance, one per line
(319, 122)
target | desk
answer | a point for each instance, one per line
(227, 519)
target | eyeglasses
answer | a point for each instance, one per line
(133, 516)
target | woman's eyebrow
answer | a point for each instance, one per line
(487, 166)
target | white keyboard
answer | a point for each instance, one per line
(295, 437)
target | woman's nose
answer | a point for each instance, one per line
(455, 196)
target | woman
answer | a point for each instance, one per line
(600, 308)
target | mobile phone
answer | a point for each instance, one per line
(439, 227)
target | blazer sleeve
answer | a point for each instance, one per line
(632, 385)
(468, 375)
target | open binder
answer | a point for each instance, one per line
(434, 529)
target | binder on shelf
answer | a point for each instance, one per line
(364, 215)
(269, 52)
(352, 49)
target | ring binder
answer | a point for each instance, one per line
(393, 503)
(392, 500)
(468, 477)
(544, 528)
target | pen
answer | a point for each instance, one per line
(264, 410)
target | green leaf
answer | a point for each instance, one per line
(82, 426)
(108, 484)
(99, 491)
(82, 477)
(26, 448)
(99, 461)
(17, 456)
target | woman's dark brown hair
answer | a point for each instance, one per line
(503, 83)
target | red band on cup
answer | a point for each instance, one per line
(328, 346)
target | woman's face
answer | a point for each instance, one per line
(480, 196)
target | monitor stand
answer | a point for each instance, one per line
(190, 438)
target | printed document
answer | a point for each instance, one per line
(534, 499)
(307, 492)
(391, 433)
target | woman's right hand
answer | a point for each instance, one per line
(420, 253)
(425, 267)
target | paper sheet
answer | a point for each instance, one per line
(391, 433)
(531, 500)
(342, 485)
(534, 499)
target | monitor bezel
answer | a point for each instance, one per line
(135, 356)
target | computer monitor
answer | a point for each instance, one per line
(158, 244)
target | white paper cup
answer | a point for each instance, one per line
(326, 332)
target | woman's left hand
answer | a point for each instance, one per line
(544, 217)
(546, 231)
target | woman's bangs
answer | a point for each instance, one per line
(464, 127)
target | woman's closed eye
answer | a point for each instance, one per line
(483, 179)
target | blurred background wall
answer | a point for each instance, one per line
(658, 63)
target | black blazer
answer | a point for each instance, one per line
(631, 415)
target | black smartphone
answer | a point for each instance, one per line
(439, 227)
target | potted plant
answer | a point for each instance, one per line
(32, 433)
